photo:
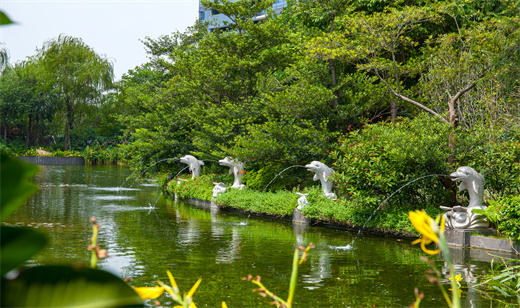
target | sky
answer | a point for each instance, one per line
(112, 28)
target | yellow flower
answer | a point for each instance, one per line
(428, 228)
(458, 278)
(149, 292)
(459, 291)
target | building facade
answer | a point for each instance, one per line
(217, 19)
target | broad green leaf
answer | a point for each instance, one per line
(479, 211)
(17, 245)
(67, 286)
(4, 20)
(15, 183)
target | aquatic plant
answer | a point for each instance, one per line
(503, 278)
(278, 301)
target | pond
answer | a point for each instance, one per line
(147, 233)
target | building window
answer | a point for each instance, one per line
(202, 15)
(214, 12)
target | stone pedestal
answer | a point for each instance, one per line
(214, 208)
(465, 238)
(458, 237)
(299, 218)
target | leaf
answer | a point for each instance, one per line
(502, 291)
(194, 288)
(17, 245)
(4, 20)
(15, 183)
(66, 286)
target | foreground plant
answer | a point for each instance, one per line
(278, 301)
(184, 300)
(432, 231)
(97, 253)
(503, 277)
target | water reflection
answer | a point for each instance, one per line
(146, 234)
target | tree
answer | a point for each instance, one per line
(4, 59)
(404, 42)
(27, 99)
(81, 75)
(216, 75)
(481, 60)
(154, 126)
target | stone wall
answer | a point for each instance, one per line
(49, 160)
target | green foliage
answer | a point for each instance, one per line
(67, 286)
(499, 162)
(4, 19)
(17, 246)
(80, 75)
(502, 278)
(349, 212)
(15, 177)
(281, 203)
(271, 147)
(65, 80)
(155, 128)
(374, 163)
(504, 213)
(27, 101)
(98, 154)
(200, 188)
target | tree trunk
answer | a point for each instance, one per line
(68, 126)
(454, 121)
(28, 139)
(333, 81)
(393, 109)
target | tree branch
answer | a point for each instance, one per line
(411, 101)
(471, 85)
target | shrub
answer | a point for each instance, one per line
(101, 154)
(199, 188)
(348, 211)
(499, 162)
(374, 163)
(505, 214)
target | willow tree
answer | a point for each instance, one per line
(80, 74)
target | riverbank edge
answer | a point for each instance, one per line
(53, 160)
(467, 240)
(211, 205)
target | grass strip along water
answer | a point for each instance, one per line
(281, 203)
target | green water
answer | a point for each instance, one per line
(147, 233)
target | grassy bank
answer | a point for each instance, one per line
(387, 219)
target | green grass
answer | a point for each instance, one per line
(389, 218)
